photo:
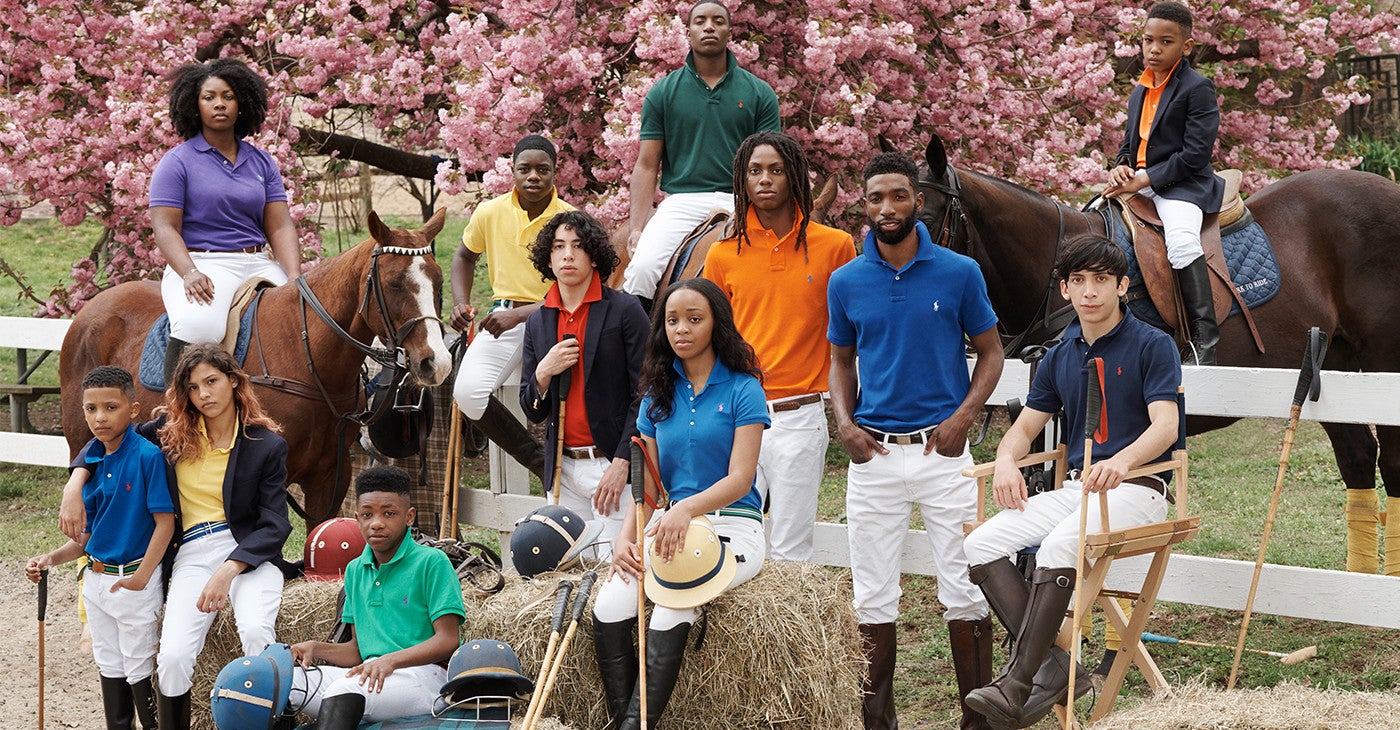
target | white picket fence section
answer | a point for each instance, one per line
(1326, 595)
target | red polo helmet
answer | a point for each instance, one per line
(330, 547)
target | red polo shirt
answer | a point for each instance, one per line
(575, 427)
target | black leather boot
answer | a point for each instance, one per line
(143, 694)
(1194, 281)
(502, 427)
(173, 712)
(172, 356)
(879, 644)
(1003, 702)
(665, 653)
(341, 712)
(971, 642)
(617, 664)
(116, 703)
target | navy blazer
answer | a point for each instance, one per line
(613, 345)
(1182, 139)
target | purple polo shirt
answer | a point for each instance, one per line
(222, 202)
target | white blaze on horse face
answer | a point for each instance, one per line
(421, 284)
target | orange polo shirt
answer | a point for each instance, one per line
(1150, 100)
(779, 300)
(575, 427)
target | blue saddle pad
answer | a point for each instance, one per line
(151, 371)
(1249, 257)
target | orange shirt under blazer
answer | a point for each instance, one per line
(577, 432)
(780, 300)
(1150, 101)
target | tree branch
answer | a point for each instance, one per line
(388, 159)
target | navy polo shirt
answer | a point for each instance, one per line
(1140, 365)
(695, 442)
(222, 202)
(907, 326)
(127, 486)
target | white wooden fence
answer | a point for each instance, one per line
(1218, 391)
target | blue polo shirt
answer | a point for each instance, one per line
(695, 442)
(393, 605)
(907, 326)
(222, 202)
(127, 486)
(1140, 365)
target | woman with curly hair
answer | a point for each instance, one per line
(598, 335)
(217, 202)
(702, 419)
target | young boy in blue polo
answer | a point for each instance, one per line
(130, 521)
(1173, 118)
(403, 601)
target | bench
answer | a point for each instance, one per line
(25, 334)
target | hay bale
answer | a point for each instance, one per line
(1287, 706)
(782, 651)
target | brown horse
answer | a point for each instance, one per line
(1332, 230)
(307, 373)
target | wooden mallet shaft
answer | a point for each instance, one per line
(561, 607)
(639, 502)
(580, 604)
(43, 609)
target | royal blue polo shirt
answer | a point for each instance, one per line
(393, 605)
(1141, 366)
(907, 326)
(222, 202)
(695, 442)
(126, 488)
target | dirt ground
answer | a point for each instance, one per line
(71, 695)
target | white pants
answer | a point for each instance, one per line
(676, 216)
(617, 600)
(578, 481)
(1181, 227)
(192, 322)
(488, 363)
(880, 498)
(1051, 520)
(255, 596)
(790, 464)
(125, 625)
(406, 692)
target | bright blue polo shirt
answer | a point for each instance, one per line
(1140, 365)
(222, 202)
(393, 606)
(907, 327)
(695, 442)
(127, 486)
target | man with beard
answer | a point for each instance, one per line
(900, 314)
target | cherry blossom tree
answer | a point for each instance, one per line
(438, 91)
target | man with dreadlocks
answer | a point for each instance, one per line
(774, 269)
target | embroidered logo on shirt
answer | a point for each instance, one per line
(741, 105)
(935, 305)
(1120, 369)
(128, 486)
(721, 408)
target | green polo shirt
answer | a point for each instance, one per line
(701, 128)
(393, 606)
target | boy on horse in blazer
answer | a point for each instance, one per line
(1173, 118)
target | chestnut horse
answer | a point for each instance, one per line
(1334, 235)
(307, 372)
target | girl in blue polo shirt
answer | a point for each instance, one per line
(702, 418)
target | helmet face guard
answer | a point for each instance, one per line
(485, 669)
(252, 691)
(550, 538)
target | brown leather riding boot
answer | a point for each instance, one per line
(971, 642)
(502, 427)
(1194, 281)
(878, 643)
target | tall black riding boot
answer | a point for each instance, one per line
(1194, 281)
(143, 693)
(879, 644)
(971, 642)
(665, 653)
(172, 356)
(502, 427)
(341, 712)
(173, 712)
(116, 703)
(617, 664)
(1003, 701)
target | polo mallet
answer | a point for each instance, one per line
(447, 524)
(1297, 657)
(1093, 418)
(563, 382)
(585, 587)
(1309, 388)
(561, 606)
(639, 498)
(43, 609)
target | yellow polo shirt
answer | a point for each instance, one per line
(502, 230)
(201, 482)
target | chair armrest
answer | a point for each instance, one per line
(978, 471)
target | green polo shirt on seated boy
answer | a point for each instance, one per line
(393, 605)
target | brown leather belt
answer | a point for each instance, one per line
(586, 452)
(792, 404)
(250, 249)
(1155, 484)
(902, 439)
(122, 570)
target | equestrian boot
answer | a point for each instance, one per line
(1392, 537)
(172, 356)
(665, 653)
(617, 664)
(341, 712)
(173, 712)
(144, 695)
(501, 426)
(971, 642)
(1194, 281)
(878, 643)
(1362, 531)
(1003, 702)
(117, 704)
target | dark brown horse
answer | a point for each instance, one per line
(386, 287)
(1334, 232)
